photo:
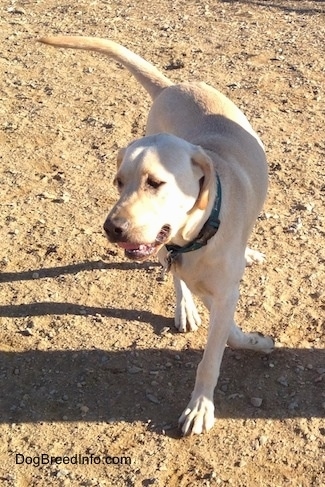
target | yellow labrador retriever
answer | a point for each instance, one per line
(190, 191)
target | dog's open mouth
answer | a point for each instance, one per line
(142, 251)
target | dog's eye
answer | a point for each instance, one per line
(153, 183)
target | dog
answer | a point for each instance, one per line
(190, 192)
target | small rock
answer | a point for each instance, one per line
(165, 330)
(134, 369)
(283, 381)
(64, 198)
(26, 333)
(147, 482)
(256, 401)
(262, 440)
(234, 395)
(154, 372)
(293, 405)
(255, 444)
(319, 378)
(62, 473)
(152, 398)
(47, 196)
(16, 10)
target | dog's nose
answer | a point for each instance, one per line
(116, 228)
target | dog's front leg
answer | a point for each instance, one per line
(198, 416)
(186, 315)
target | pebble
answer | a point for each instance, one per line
(150, 481)
(152, 398)
(262, 440)
(26, 333)
(283, 381)
(84, 409)
(165, 330)
(293, 405)
(256, 401)
(16, 10)
(134, 369)
(64, 198)
(47, 196)
(63, 472)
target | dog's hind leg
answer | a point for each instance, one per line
(250, 341)
(186, 314)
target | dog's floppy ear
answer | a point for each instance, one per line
(121, 153)
(202, 161)
(120, 156)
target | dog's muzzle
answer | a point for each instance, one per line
(117, 232)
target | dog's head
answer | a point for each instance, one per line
(162, 181)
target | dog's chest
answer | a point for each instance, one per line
(196, 277)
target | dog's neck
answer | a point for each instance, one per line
(207, 231)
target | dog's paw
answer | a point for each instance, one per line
(198, 417)
(186, 316)
(250, 340)
(255, 341)
(262, 343)
(253, 257)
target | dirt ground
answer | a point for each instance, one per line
(90, 363)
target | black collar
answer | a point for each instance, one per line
(209, 229)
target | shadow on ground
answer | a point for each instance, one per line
(73, 269)
(152, 385)
(284, 5)
(108, 386)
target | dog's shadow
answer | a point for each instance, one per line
(152, 385)
(67, 308)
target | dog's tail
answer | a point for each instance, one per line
(148, 76)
